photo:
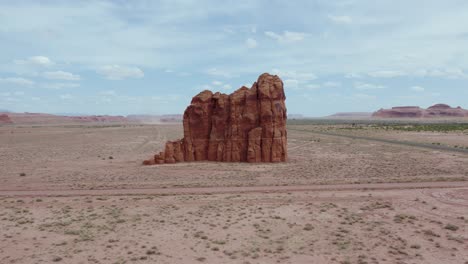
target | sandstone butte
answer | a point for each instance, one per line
(248, 125)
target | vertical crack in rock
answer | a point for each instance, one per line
(248, 125)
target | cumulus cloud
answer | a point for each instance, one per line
(367, 86)
(291, 84)
(35, 60)
(251, 43)
(386, 74)
(312, 86)
(353, 75)
(417, 88)
(61, 75)
(331, 84)
(17, 81)
(365, 96)
(108, 93)
(66, 97)
(218, 72)
(340, 19)
(450, 73)
(300, 76)
(58, 86)
(286, 37)
(117, 72)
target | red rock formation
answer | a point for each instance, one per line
(5, 119)
(438, 110)
(248, 125)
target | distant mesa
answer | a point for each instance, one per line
(5, 119)
(248, 125)
(435, 111)
(45, 119)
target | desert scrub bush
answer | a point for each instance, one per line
(431, 127)
(451, 227)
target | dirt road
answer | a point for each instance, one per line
(228, 190)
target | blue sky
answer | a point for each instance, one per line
(134, 57)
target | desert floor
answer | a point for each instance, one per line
(78, 194)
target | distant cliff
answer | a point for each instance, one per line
(438, 110)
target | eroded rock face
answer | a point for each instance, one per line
(248, 125)
(438, 110)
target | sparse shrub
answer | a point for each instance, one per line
(451, 227)
(57, 259)
(22, 174)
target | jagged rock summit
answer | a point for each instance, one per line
(248, 125)
(437, 110)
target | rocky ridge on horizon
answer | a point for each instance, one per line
(435, 111)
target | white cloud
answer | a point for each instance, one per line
(367, 86)
(286, 37)
(312, 86)
(227, 87)
(417, 88)
(353, 76)
(66, 97)
(331, 84)
(386, 74)
(35, 60)
(217, 72)
(61, 75)
(217, 83)
(450, 73)
(365, 96)
(19, 93)
(58, 86)
(108, 93)
(17, 81)
(251, 43)
(291, 84)
(300, 76)
(340, 19)
(117, 72)
(204, 87)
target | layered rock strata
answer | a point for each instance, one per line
(248, 125)
(438, 111)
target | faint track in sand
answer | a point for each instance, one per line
(231, 190)
(388, 141)
(456, 197)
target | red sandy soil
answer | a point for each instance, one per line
(77, 194)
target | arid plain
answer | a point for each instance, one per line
(348, 194)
